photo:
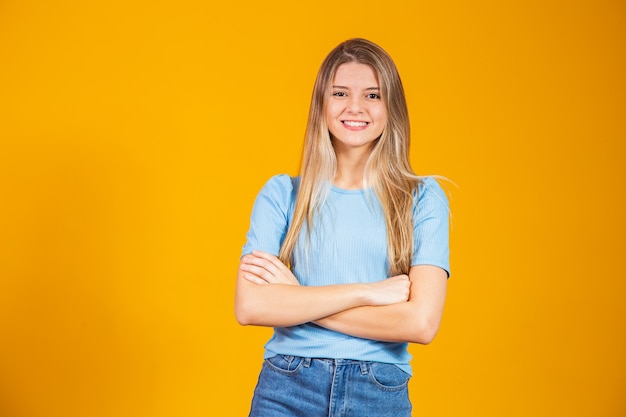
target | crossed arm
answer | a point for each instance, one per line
(404, 308)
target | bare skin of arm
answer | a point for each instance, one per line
(286, 303)
(414, 319)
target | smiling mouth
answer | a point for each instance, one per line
(354, 124)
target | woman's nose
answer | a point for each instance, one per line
(355, 105)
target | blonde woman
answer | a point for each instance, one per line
(349, 261)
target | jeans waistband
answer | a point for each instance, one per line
(306, 362)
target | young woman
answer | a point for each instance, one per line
(348, 262)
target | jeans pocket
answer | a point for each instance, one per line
(388, 377)
(284, 363)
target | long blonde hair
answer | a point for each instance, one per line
(388, 169)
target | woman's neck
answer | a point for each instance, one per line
(350, 169)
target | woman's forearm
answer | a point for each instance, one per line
(416, 320)
(280, 305)
(268, 294)
(393, 323)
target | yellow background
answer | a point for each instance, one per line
(134, 136)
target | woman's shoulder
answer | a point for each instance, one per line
(429, 190)
(281, 187)
(282, 182)
(429, 184)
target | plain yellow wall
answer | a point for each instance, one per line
(134, 136)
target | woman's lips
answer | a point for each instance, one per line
(354, 125)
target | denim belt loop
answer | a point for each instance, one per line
(306, 362)
(364, 367)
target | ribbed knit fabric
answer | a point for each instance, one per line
(348, 244)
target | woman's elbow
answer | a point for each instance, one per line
(244, 314)
(242, 318)
(424, 332)
(253, 313)
(248, 307)
(424, 338)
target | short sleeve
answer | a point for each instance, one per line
(270, 216)
(431, 226)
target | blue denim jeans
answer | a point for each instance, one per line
(290, 386)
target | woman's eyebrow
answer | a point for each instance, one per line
(347, 88)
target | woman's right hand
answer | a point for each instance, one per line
(390, 291)
(264, 268)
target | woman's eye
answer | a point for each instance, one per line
(373, 96)
(339, 94)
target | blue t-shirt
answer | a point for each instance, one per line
(347, 244)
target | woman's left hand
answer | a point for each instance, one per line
(264, 268)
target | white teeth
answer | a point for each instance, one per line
(355, 124)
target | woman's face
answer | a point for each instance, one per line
(355, 113)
